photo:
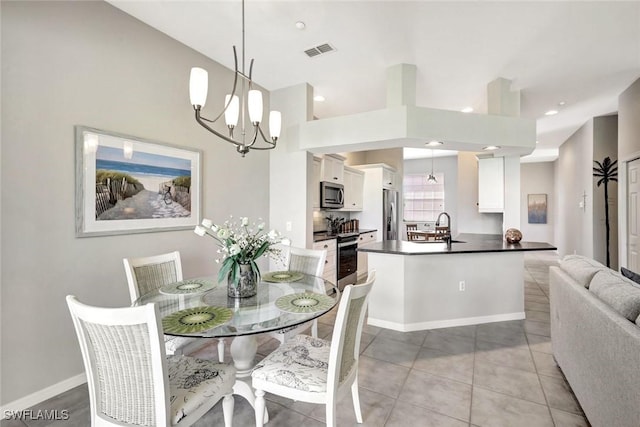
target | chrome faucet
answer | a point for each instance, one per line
(447, 236)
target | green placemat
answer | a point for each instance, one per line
(307, 302)
(282, 276)
(192, 286)
(196, 319)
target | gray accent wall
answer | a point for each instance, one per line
(628, 121)
(605, 137)
(573, 176)
(628, 150)
(537, 178)
(581, 230)
(87, 63)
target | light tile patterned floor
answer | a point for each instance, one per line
(498, 374)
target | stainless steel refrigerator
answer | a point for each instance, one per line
(390, 214)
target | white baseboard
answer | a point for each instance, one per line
(44, 394)
(437, 324)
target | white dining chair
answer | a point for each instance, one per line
(131, 380)
(146, 274)
(308, 261)
(314, 370)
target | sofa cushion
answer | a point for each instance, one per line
(630, 275)
(618, 292)
(580, 268)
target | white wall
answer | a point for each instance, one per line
(292, 169)
(87, 63)
(511, 217)
(537, 178)
(469, 219)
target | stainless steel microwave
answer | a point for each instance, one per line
(331, 195)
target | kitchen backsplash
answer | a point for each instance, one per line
(320, 218)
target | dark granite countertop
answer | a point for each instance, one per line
(462, 244)
(323, 235)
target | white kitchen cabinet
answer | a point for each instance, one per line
(363, 264)
(491, 184)
(333, 168)
(353, 189)
(315, 191)
(330, 264)
(389, 179)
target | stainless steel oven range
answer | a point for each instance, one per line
(347, 259)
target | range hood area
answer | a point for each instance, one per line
(403, 124)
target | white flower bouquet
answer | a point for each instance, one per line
(240, 242)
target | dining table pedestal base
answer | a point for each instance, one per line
(243, 352)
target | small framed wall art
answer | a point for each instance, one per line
(537, 208)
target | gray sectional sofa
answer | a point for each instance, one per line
(595, 336)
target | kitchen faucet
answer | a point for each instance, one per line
(447, 236)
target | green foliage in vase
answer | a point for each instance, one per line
(334, 223)
(240, 242)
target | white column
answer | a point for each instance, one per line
(511, 216)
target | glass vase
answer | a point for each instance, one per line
(245, 284)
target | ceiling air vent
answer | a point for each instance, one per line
(319, 50)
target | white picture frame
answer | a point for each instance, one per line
(145, 186)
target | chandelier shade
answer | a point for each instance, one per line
(233, 110)
(198, 86)
(248, 100)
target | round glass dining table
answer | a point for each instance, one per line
(201, 308)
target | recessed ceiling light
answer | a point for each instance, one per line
(467, 110)
(561, 103)
(301, 25)
(551, 112)
(319, 98)
(433, 143)
(491, 147)
(537, 142)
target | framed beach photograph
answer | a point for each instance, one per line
(126, 184)
(537, 208)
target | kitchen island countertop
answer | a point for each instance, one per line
(468, 243)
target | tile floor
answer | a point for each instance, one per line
(498, 374)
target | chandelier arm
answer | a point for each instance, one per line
(250, 73)
(265, 139)
(258, 130)
(210, 129)
(233, 91)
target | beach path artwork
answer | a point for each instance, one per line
(537, 208)
(143, 186)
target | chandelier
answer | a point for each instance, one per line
(250, 100)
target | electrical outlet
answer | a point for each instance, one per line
(462, 285)
(288, 226)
